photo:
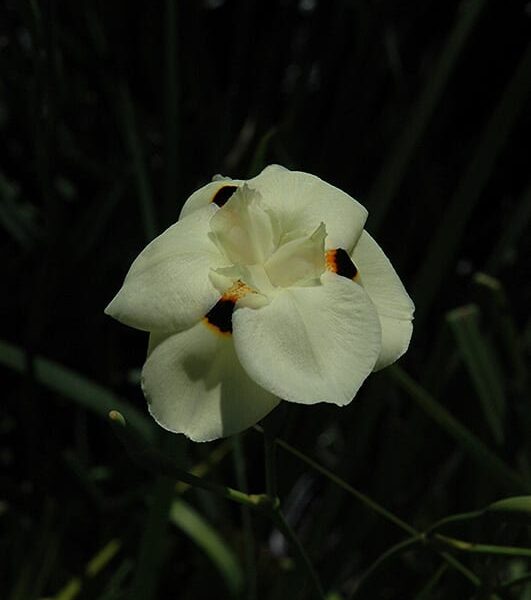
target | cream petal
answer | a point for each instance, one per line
(195, 385)
(302, 201)
(168, 286)
(395, 308)
(310, 344)
(298, 262)
(217, 191)
(243, 230)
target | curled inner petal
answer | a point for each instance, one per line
(244, 231)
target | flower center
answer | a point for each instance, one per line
(264, 256)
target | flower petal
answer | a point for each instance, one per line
(300, 261)
(195, 385)
(310, 344)
(217, 191)
(302, 201)
(395, 308)
(168, 287)
(243, 231)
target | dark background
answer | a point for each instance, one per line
(111, 114)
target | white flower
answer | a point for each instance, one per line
(265, 289)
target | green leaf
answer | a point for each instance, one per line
(205, 536)
(447, 239)
(481, 365)
(517, 508)
(394, 168)
(153, 546)
(75, 387)
(470, 443)
(498, 311)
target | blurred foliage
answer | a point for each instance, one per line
(111, 113)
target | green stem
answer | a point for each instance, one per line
(374, 506)
(515, 582)
(270, 465)
(155, 461)
(472, 548)
(402, 546)
(455, 519)
(301, 557)
(470, 443)
(248, 540)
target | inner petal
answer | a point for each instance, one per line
(300, 261)
(243, 230)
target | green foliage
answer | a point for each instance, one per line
(110, 115)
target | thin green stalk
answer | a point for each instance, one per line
(156, 462)
(301, 557)
(470, 443)
(171, 106)
(152, 545)
(374, 506)
(427, 591)
(455, 519)
(73, 386)
(132, 140)
(392, 174)
(248, 539)
(96, 564)
(515, 582)
(395, 550)
(270, 465)
(444, 245)
(472, 548)
(459, 566)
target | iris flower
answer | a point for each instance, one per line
(264, 290)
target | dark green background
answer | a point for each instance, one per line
(111, 114)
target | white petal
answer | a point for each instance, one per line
(302, 201)
(207, 194)
(300, 261)
(392, 302)
(195, 385)
(310, 344)
(168, 287)
(243, 230)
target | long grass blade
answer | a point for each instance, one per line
(449, 234)
(482, 367)
(469, 442)
(195, 526)
(75, 387)
(390, 177)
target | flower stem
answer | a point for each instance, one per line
(301, 557)
(371, 504)
(154, 461)
(470, 547)
(270, 465)
(248, 540)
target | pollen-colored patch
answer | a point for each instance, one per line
(223, 194)
(338, 261)
(219, 317)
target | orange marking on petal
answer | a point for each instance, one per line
(330, 257)
(338, 261)
(219, 317)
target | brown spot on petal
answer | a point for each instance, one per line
(223, 194)
(219, 317)
(338, 261)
